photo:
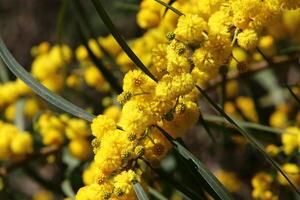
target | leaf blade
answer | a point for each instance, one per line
(110, 25)
(250, 138)
(39, 89)
(217, 190)
(140, 193)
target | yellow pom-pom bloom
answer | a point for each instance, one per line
(102, 125)
(80, 148)
(190, 28)
(293, 172)
(290, 139)
(248, 39)
(22, 144)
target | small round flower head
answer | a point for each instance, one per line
(229, 180)
(290, 139)
(123, 185)
(219, 22)
(22, 144)
(156, 146)
(190, 28)
(159, 59)
(182, 121)
(90, 173)
(220, 46)
(247, 107)
(247, 39)
(113, 112)
(261, 183)
(110, 44)
(147, 19)
(80, 148)
(59, 55)
(76, 128)
(115, 150)
(135, 118)
(136, 81)
(95, 191)
(81, 53)
(102, 125)
(178, 58)
(171, 87)
(53, 137)
(292, 170)
(93, 76)
(204, 60)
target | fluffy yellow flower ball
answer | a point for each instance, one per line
(22, 144)
(191, 28)
(102, 125)
(292, 170)
(247, 39)
(80, 148)
(290, 139)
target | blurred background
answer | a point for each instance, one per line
(24, 24)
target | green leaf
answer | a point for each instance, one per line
(246, 125)
(3, 72)
(156, 194)
(60, 22)
(186, 191)
(114, 83)
(126, 6)
(206, 127)
(139, 191)
(110, 25)
(293, 93)
(39, 89)
(289, 50)
(19, 116)
(249, 137)
(168, 6)
(213, 185)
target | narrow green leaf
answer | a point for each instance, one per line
(110, 25)
(60, 22)
(126, 6)
(266, 58)
(156, 194)
(81, 14)
(169, 6)
(290, 50)
(206, 127)
(139, 191)
(39, 89)
(293, 93)
(249, 137)
(19, 114)
(186, 191)
(246, 125)
(213, 185)
(67, 188)
(114, 83)
(86, 32)
(3, 72)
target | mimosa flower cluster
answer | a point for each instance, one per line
(55, 130)
(14, 143)
(197, 44)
